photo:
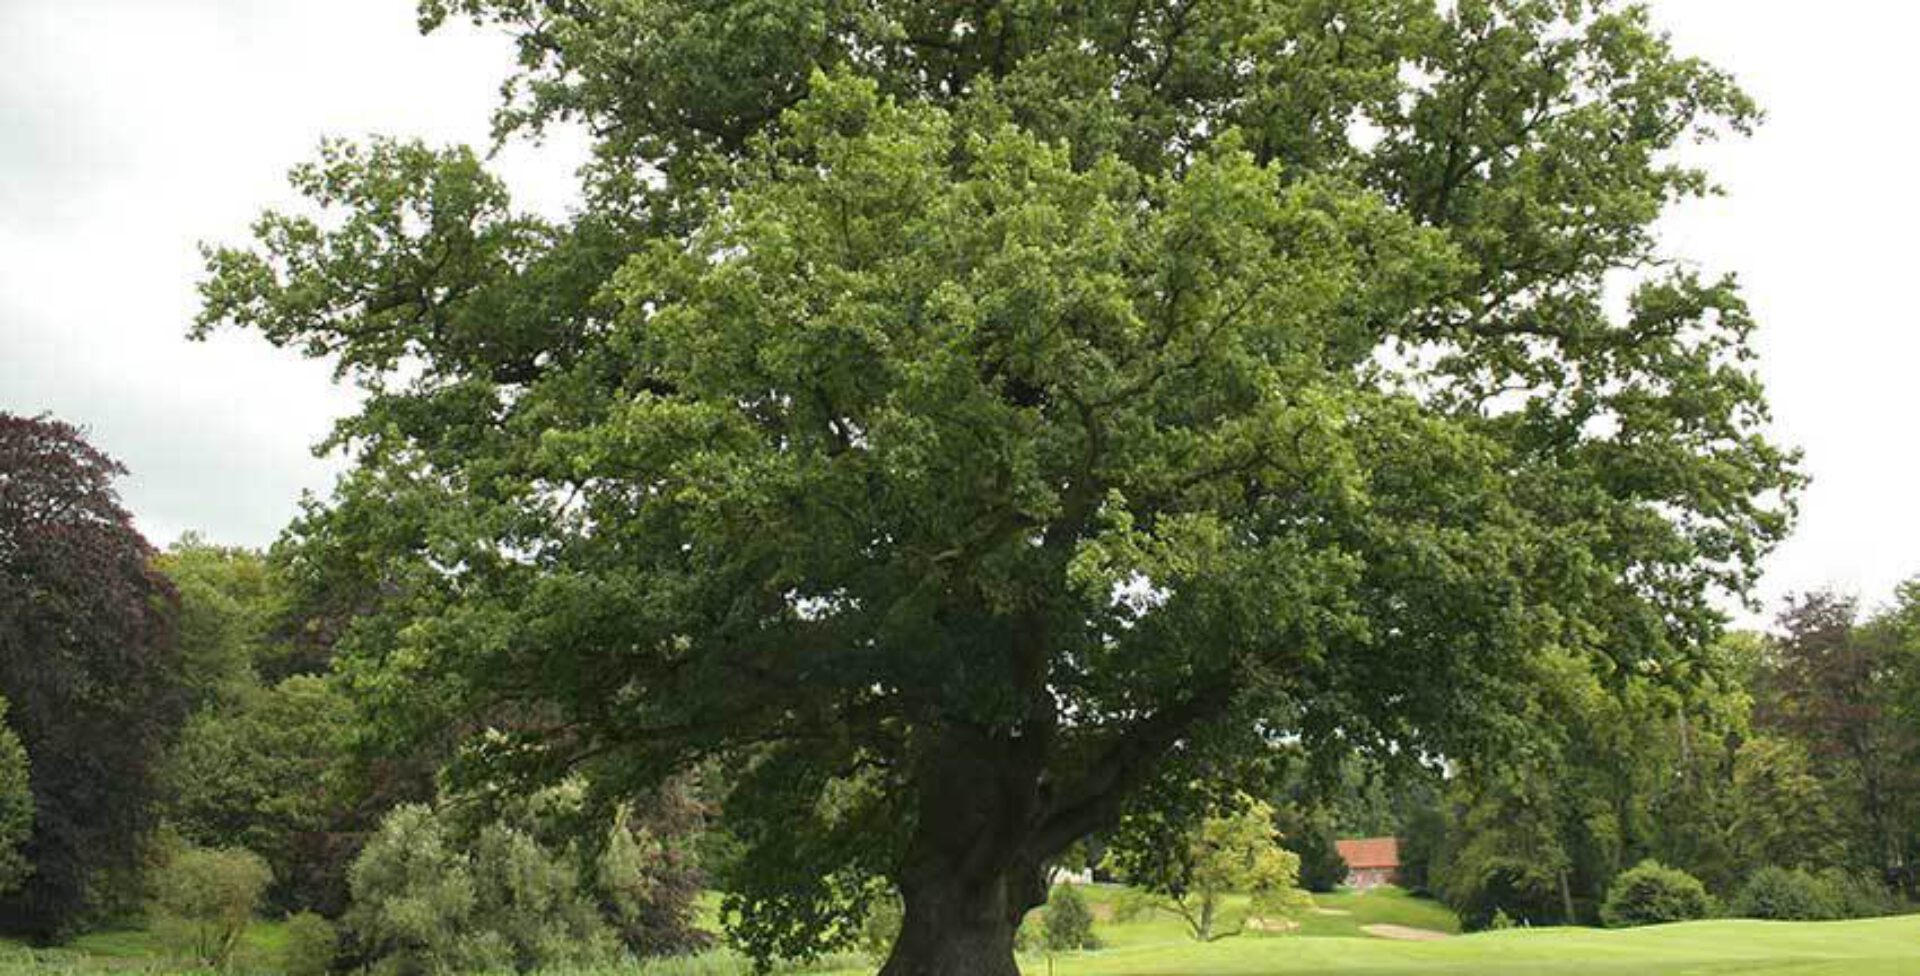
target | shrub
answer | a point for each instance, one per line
(535, 901)
(203, 900)
(1654, 894)
(648, 877)
(414, 898)
(310, 947)
(422, 904)
(1859, 895)
(1523, 891)
(1786, 895)
(1069, 923)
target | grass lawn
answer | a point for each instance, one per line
(132, 951)
(1327, 943)
(1861, 948)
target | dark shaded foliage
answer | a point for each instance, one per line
(1310, 834)
(1786, 895)
(87, 660)
(1525, 892)
(1422, 839)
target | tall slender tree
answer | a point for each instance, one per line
(973, 420)
(87, 663)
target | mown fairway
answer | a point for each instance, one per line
(1328, 942)
(1878, 946)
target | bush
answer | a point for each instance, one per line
(1069, 923)
(648, 877)
(1787, 896)
(1860, 895)
(1654, 894)
(422, 904)
(310, 947)
(203, 900)
(1523, 891)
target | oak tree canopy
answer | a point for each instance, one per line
(968, 422)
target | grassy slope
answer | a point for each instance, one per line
(1340, 914)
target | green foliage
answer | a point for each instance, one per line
(1068, 921)
(16, 806)
(1310, 836)
(424, 905)
(1782, 814)
(228, 599)
(1613, 773)
(1651, 893)
(310, 945)
(1840, 686)
(260, 772)
(1482, 892)
(414, 898)
(1786, 895)
(648, 874)
(1062, 399)
(1423, 839)
(1861, 894)
(534, 900)
(1236, 851)
(204, 899)
(881, 927)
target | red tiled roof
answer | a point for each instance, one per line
(1374, 852)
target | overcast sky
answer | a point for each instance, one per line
(131, 129)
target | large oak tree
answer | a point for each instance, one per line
(971, 421)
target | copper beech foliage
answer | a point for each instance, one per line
(87, 664)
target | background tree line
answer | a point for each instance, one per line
(1794, 750)
(177, 749)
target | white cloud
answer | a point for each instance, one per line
(1818, 222)
(133, 129)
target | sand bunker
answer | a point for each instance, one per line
(1403, 933)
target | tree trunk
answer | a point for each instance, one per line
(972, 871)
(955, 929)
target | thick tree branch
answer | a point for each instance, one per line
(1095, 800)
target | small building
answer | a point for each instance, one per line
(1371, 862)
